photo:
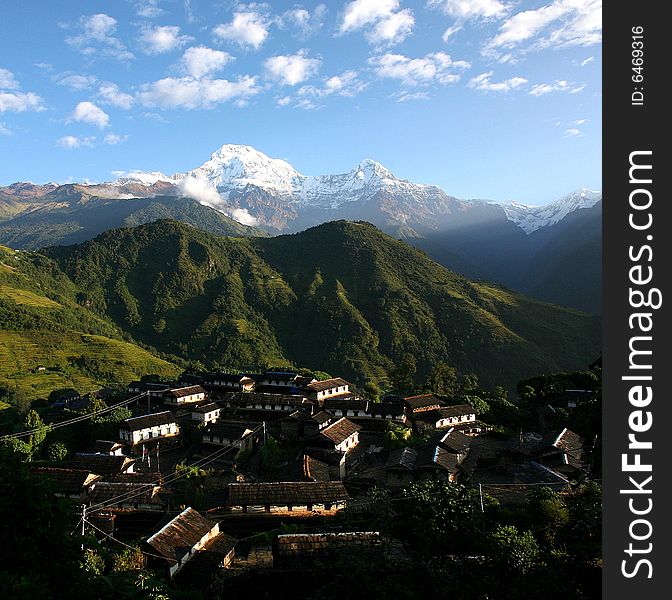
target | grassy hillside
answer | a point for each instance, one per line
(342, 297)
(49, 341)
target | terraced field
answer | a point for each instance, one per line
(39, 362)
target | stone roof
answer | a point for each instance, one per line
(422, 402)
(102, 464)
(135, 493)
(339, 431)
(67, 481)
(456, 410)
(180, 535)
(185, 391)
(327, 384)
(435, 456)
(148, 421)
(403, 458)
(281, 493)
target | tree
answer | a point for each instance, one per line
(372, 391)
(57, 451)
(402, 376)
(34, 422)
(442, 380)
(513, 550)
(38, 556)
(13, 395)
(469, 384)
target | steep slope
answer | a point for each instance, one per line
(341, 296)
(69, 215)
(567, 263)
(49, 341)
(558, 261)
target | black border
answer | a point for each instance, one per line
(628, 128)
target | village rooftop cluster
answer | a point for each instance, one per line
(281, 447)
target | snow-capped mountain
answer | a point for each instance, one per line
(530, 218)
(238, 179)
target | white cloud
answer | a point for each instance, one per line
(7, 80)
(162, 39)
(561, 23)
(243, 216)
(203, 191)
(346, 84)
(200, 189)
(450, 32)
(304, 21)
(97, 39)
(291, 69)
(411, 96)
(484, 83)
(190, 93)
(471, 9)
(4, 130)
(437, 67)
(541, 89)
(587, 61)
(393, 29)
(248, 28)
(200, 61)
(148, 9)
(112, 139)
(383, 21)
(88, 112)
(76, 82)
(20, 102)
(71, 141)
(284, 101)
(109, 93)
(579, 122)
(572, 132)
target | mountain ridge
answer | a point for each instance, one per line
(341, 296)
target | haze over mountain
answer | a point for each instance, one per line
(241, 191)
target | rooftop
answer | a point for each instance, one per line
(340, 430)
(148, 421)
(327, 384)
(185, 391)
(290, 492)
(102, 464)
(181, 534)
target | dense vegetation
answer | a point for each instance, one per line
(49, 340)
(342, 296)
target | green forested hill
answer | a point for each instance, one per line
(43, 325)
(342, 297)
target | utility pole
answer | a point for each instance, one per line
(264, 425)
(83, 524)
(480, 493)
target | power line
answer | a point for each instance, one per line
(72, 421)
(165, 481)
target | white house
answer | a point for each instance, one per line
(182, 538)
(206, 413)
(321, 390)
(148, 427)
(184, 395)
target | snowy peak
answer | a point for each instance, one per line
(530, 218)
(235, 165)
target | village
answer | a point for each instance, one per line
(220, 475)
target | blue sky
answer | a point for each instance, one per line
(491, 99)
